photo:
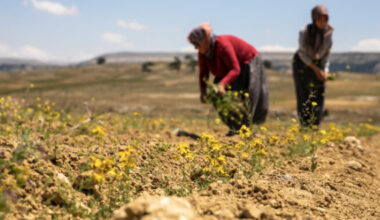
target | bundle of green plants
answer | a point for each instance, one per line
(232, 108)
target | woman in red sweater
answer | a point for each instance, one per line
(236, 65)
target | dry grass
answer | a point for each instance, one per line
(123, 87)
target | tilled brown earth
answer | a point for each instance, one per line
(344, 185)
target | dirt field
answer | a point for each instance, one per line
(107, 142)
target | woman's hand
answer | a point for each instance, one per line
(321, 75)
(221, 89)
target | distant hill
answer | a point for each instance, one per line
(357, 62)
(352, 62)
(131, 57)
(16, 65)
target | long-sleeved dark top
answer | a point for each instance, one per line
(306, 54)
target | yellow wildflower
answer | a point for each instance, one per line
(274, 140)
(323, 141)
(112, 172)
(98, 130)
(222, 159)
(183, 148)
(96, 163)
(323, 132)
(244, 132)
(99, 177)
(206, 170)
(262, 151)
(217, 121)
(306, 137)
(257, 142)
(216, 147)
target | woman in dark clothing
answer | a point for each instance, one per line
(235, 64)
(310, 67)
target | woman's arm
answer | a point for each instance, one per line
(302, 48)
(203, 75)
(326, 56)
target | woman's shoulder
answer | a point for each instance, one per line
(222, 41)
(329, 30)
(228, 40)
(223, 38)
(226, 37)
(303, 30)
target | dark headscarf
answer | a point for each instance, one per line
(315, 36)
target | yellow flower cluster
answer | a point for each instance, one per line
(101, 168)
(333, 133)
(10, 109)
(157, 123)
(137, 120)
(367, 129)
(215, 160)
(274, 140)
(113, 168)
(127, 158)
(15, 176)
(244, 132)
(99, 131)
(184, 150)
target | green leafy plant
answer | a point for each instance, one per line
(232, 108)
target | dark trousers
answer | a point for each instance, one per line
(252, 79)
(310, 93)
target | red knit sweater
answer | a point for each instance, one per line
(229, 53)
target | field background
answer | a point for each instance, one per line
(124, 88)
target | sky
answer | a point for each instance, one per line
(76, 30)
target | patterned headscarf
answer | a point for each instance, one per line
(200, 34)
